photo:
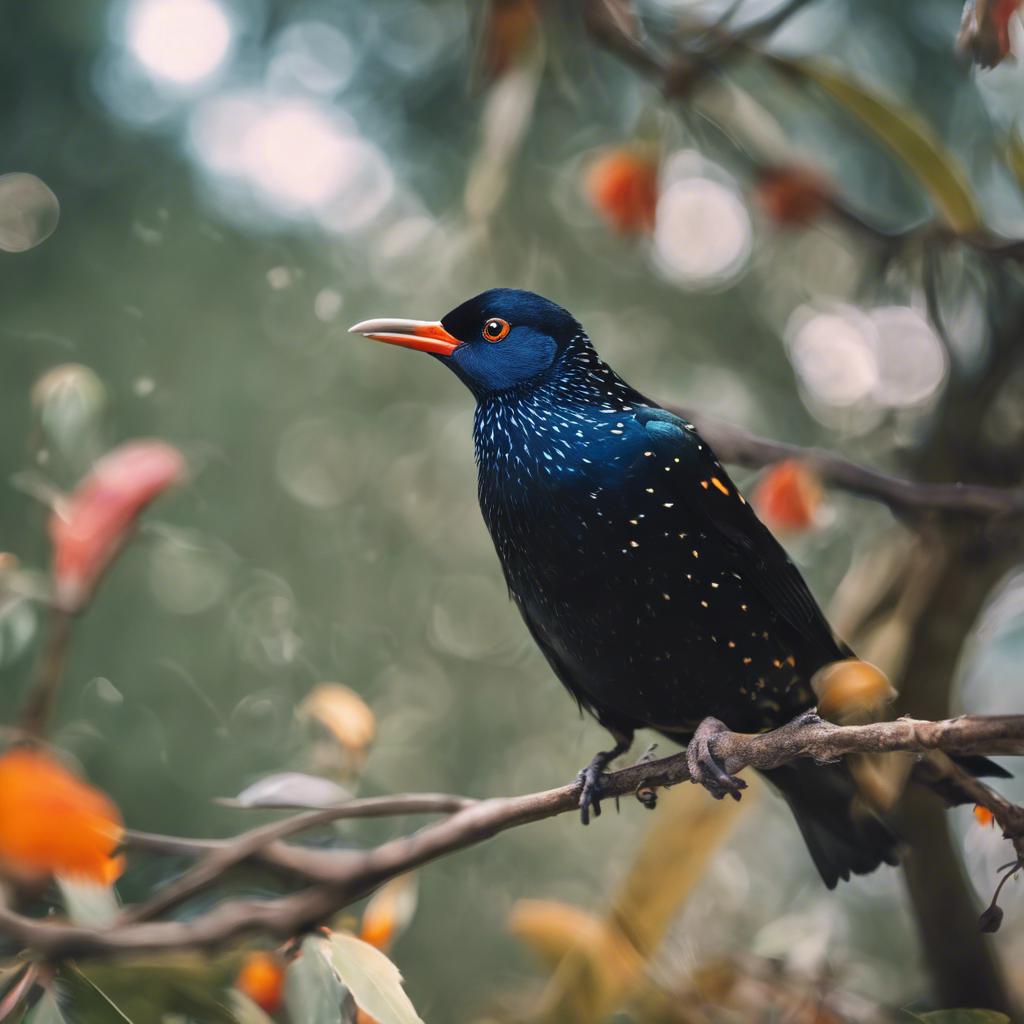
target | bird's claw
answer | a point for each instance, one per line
(592, 778)
(704, 768)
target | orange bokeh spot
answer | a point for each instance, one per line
(788, 496)
(511, 28)
(622, 185)
(262, 980)
(792, 196)
(983, 815)
(52, 823)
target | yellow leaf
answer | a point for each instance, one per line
(851, 691)
(907, 136)
(343, 713)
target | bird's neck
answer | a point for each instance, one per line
(554, 431)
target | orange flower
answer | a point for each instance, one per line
(983, 815)
(89, 529)
(262, 980)
(792, 196)
(622, 185)
(389, 912)
(788, 496)
(52, 823)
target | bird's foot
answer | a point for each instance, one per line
(592, 779)
(705, 770)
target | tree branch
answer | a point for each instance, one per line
(340, 877)
(741, 447)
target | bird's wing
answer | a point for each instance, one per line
(713, 499)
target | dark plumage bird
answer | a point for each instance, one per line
(656, 594)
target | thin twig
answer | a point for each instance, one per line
(219, 858)
(50, 667)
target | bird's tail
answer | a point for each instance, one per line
(841, 834)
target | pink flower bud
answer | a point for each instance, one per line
(90, 527)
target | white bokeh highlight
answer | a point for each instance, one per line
(180, 42)
(703, 234)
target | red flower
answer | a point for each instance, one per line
(52, 823)
(622, 185)
(788, 496)
(792, 196)
(89, 529)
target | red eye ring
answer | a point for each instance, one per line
(495, 329)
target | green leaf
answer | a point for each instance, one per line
(373, 980)
(962, 1017)
(907, 136)
(138, 990)
(245, 1010)
(46, 1011)
(312, 990)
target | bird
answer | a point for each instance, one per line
(658, 597)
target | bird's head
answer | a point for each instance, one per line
(494, 342)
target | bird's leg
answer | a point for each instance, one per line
(592, 776)
(704, 769)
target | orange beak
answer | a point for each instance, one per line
(425, 335)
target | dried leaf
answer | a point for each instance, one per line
(552, 929)
(290, 790)
(53, 823)
(373, 980)
(907, 136)
(90, 528)
(599, 973)
(344, 714)
(389, 911)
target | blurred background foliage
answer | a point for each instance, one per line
(239, 180)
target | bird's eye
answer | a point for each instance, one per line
(495, 329)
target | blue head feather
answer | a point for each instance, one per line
(539, 330)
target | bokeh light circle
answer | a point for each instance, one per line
(178, 41)
(29, 212)
(702, 234)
